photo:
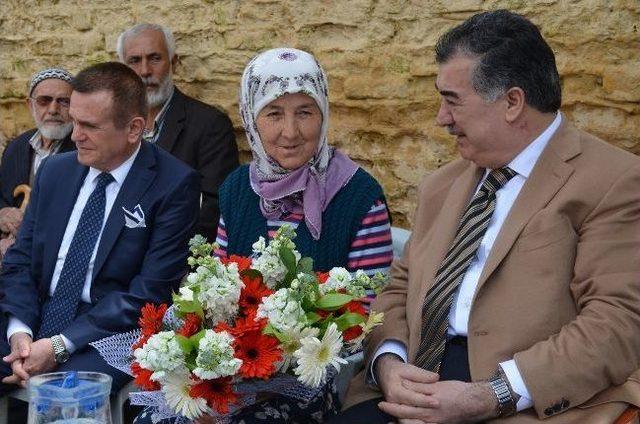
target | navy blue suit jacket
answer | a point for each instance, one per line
(132, 266)
(15, 169)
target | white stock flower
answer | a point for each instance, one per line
(176, 388)
(259, 246)
(271, 267)
(160, 354)
(186, 293)
(220, 292)
(339, 278)
(283, 312)
(215, 356)
(314, 356)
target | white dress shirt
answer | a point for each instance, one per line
(111, 192)
(523, 164)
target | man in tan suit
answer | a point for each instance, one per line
(518, 294)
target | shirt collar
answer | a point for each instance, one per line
(525, 161)
(36, 143)
(120, 173)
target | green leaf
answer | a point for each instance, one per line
(195, 339)
(185, 344)
(312, 317)
(251, 273)
(348, 320)
(333, 301)
(288, 259)
(189, 306)
(270, 331)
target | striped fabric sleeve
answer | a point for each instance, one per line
(221, 240)
(371, 250)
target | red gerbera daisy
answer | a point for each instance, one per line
(252, 294)
(322, 277)
(259, 354)
(354, 306)
(243, 262)
(218, 393)
(143, 377)
(151, 318)
(242, 325)
(190, 326)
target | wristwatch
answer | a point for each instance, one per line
(60, 351)
(506, 403)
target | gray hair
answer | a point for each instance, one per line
(137, 29)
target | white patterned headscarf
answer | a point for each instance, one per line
(271, 75)
(309, 189)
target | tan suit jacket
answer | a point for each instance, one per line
(560, 291)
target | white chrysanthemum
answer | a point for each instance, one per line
(314, 356)
(215, 356)
(339, 278)
(161, 353)
(293, 343)
(271, 267)
(283, 312)
(220, 292)
(176, 392)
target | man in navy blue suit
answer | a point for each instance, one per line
(106, 231)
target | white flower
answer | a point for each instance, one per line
(339, 278)
(271, 267)
(283, 312)
(259, 246)
(292, 343)
(161, 353)
(314, 356)
(219, 291)
(176, 392)
(186, 293)
(215, 356)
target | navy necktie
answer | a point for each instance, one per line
(60, 309)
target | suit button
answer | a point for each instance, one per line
(565, 404)
(548, 411)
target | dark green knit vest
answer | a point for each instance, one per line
(240, 208)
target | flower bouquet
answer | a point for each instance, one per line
(239, 326)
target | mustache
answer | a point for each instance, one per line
(453, 130)
(150, 81)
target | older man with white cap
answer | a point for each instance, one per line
(48, 102)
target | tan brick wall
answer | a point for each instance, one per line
(378, 55)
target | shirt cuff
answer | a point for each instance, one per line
(389, 346)
(517, 384)
(68, 344)
(17, 326)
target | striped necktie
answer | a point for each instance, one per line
(437, 302)
(60, 309)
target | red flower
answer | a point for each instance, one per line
(243, 262)
(242, 325)
(322, 277)
(252, 294)
(143, 377)
(354, 306)
(151, 318)
(259, 354)
(218, 393)
(140, 342)
(191, 325)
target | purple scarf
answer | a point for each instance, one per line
(303, 191)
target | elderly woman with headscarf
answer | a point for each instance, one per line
(337, 209)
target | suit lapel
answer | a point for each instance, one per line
(65, 200)
(134, 186)
(173, 121)
(447, 222)
(549, 174)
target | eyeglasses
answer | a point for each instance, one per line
(44, 101)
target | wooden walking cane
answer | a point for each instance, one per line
(25, 190)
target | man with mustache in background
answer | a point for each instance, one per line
(200, 135)
(48, 102)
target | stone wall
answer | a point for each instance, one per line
(378, 55)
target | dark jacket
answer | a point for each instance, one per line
(201, 136)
